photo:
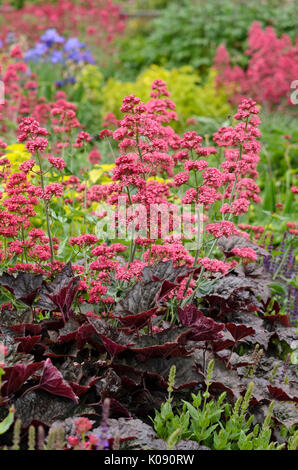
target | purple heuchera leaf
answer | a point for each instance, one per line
(59, 294)
(31, 328)
(84, 334)
(52, 381)
(79, 389)
(203, 328)
(206, 329)
(138, 320)
(27, 343)
(239, 331)
(16, 376)
(188, 315)
(111, 347)
(65, 297)
(165, 289)
(24, 287)
(283, 319)
(279, 394)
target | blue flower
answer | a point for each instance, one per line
(51, 36)
(57, 57)
(1, 43)
(87, 57)
(75, 55)
(73, 44)
(37, 52)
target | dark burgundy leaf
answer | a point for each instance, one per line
(116, 408)
(203, 328)
(16, 376)
(262, 335)
(258, 277)
(235, 294)
(53, 325)
(165, 289)
(118, 336)
(25, 286)
(27, 343)
(108, 385)
(239, 331)
(111, 347)
(11, 317)
(206, 329)
(63, 289)
(279, 394)
(53, 382)
(84, 333)
(138, 320)
(159, 350)
(165, 270)
(189, 315)
(168, 342)
(31, 328)
(71, 370)
(215, 386)
(63, 350)
(65, 297)
(222, 344)
(69, 331)
(79, 389)
(283, 319)
(283, 333)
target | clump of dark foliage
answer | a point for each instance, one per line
(66, 364)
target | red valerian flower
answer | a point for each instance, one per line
(57, 162)
(248, 254)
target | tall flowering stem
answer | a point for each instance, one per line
(240, 161)
(46, 208)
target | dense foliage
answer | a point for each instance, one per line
(191, 96)
(188, 32)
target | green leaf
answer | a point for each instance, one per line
(269, 200)
(7, 422)
(192, 411)
(278, 288)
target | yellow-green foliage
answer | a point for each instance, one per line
(17, 154)
(191, 96)
(90, 79)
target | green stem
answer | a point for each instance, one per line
(46, 209)
(132, 244)
(282, 262)
(137, 139)
(23, 240)
(197, 252)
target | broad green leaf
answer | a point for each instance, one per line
(7, 422)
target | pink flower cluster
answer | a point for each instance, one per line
(30, 131)
(272, 67)
(247, 254)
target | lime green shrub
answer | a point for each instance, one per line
(192, 96)
(89, 83)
